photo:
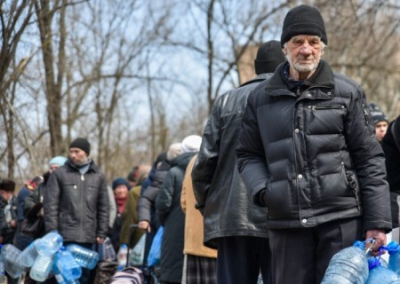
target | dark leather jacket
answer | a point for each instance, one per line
(219, 190)
(312, 148)
(77, 205)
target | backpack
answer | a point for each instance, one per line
(104, 272)
(129, 275)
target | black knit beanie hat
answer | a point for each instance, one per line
(82, 144)
(269, 56)
(7, 185)
(305, 20)
(377, 114)
(121, 181)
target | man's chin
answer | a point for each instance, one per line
(305, 67)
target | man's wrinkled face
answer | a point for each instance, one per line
(78, 156)
(380, 129)
(303, 53)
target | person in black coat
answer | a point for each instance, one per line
(170, 214)
(391, 147)
(307, 152)
(231, 223)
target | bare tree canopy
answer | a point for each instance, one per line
(135, 76)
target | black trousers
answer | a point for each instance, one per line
(241, 259)
(395, 209)
(301, 256)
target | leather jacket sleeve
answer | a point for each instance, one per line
(369, 162)
(207, 159)
(250, 152)
(103, 209)
(51, 200)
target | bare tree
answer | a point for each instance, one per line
(363, 43)
(221, 32)
(14, 18)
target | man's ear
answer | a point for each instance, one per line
(284, 51)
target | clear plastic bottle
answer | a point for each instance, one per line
(106, 251)
(9, 255)
(122, 256)
(84, 257)
(41, 267)
(49, 244)
(380, 274)
(28, 255)
(66, 265)
(394, 256)
(46, 248)
(348, 266)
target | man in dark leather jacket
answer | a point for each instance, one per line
(231, 223)
(308, 153)
(76, 201)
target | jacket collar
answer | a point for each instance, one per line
(92, 166)
(279, 85)
(260, 77)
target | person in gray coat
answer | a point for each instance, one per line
(76, 200)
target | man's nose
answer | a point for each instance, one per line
(306, 49)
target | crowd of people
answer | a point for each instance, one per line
(292, 167)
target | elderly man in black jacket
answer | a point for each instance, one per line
(231, 224)
(307, 152)
(76, 201)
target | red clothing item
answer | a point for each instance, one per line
(121, 204)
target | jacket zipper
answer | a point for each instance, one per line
(82, 213)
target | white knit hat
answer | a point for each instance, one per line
(191, 144)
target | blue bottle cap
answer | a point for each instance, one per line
(359, 244)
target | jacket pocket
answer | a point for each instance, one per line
(278, 199)
(353, 185)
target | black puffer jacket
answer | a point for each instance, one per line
(219, 190)
(77, 205)
(314, 151)
(170, 215)
(147, 199)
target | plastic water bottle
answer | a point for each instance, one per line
(46, 248)
(28, 255)
(84, 257)
(348, 266)
(49, 244)
(66, 265)
(394, 256)
(9, 255)
(380, 274)
(122, 256)
(106, 251)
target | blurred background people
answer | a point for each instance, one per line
(381, 122)
(170, 215)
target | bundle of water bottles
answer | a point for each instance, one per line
(355, 265)
(46, 256)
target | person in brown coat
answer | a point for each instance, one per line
(200, 261)
(130, 214)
